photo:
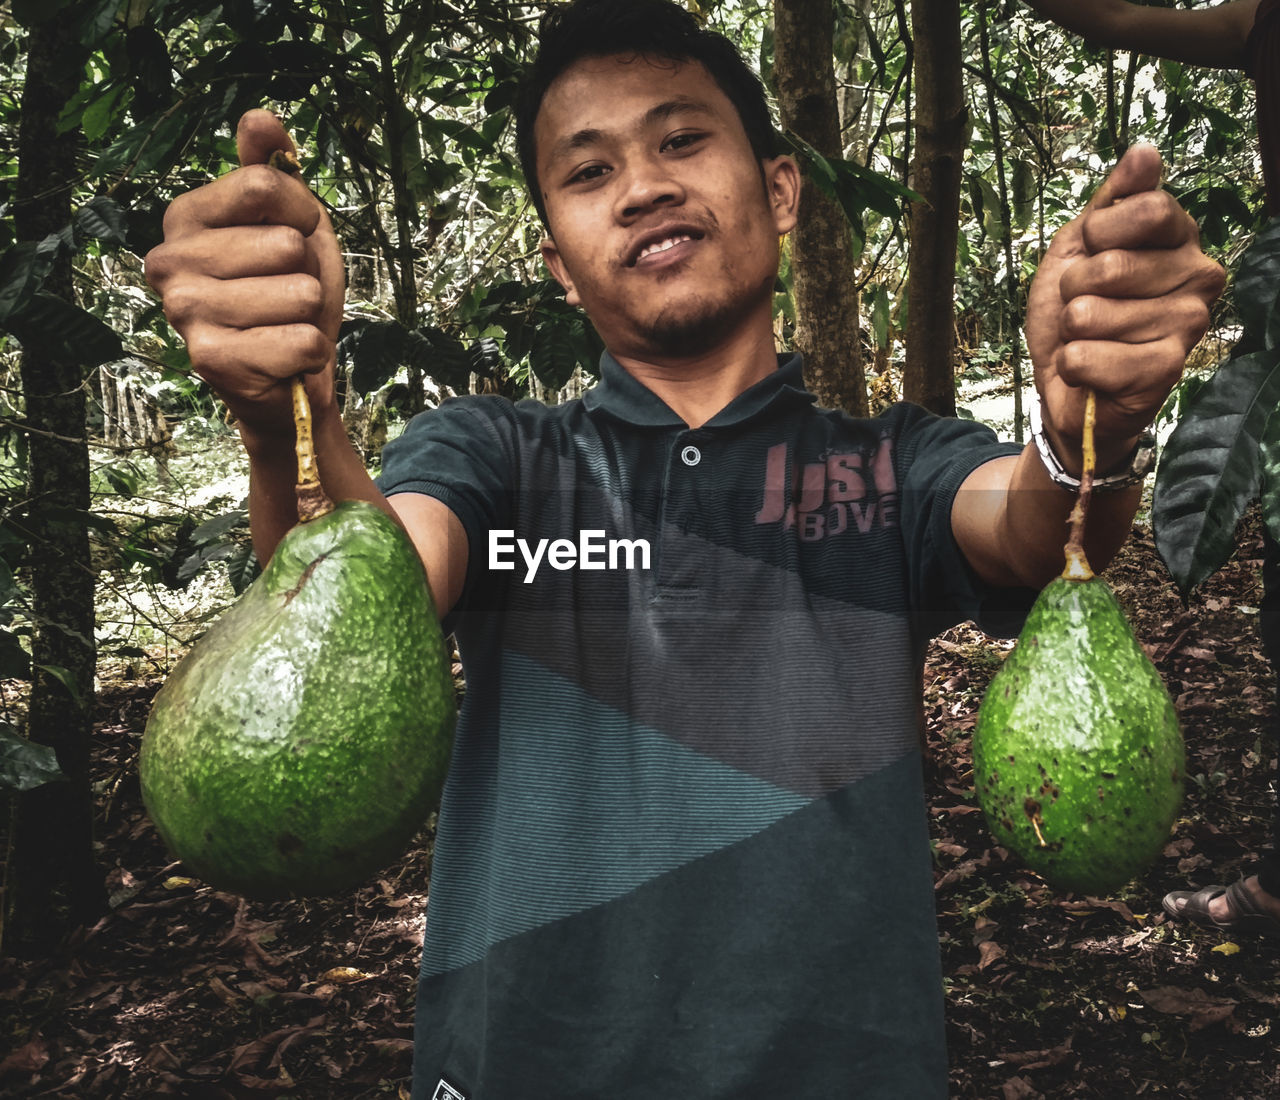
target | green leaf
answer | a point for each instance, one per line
(97, 117)
(1256, 286)
(23, 267)
(553, 355)
(103, 219)
(855, 188)
(25, 765)
(445, 360)
(485, 357)
(1211, 467)
(64, 678)
(880, 315)
(65, 331)
(192, 565)
(15, 662)
(123, 482)
(220, 526)
(374, 350)
(242, 568)
(31, 13)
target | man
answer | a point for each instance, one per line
(683, 848)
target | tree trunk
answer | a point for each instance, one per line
(1011, 311)
(53, 884)
(824, 286)
(933, 225)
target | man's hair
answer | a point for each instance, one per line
(658, 28)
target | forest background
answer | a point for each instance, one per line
(943, 144)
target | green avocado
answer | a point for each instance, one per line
(1077, 756)
(304, 739)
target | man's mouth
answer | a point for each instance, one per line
(660, 244)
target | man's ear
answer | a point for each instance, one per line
(551, 257)
(782, 185)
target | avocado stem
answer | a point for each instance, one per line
(1077, 567)
(313, 501)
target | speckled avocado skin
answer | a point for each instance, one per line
(1077, 736)
(305, 738)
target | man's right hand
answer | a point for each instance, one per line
(251, 276)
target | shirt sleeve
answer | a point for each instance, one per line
(936, 454)
(463, 455)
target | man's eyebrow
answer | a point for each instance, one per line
(659, 112)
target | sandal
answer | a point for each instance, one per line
(1246, 917)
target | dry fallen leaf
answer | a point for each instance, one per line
(1200, 1006)
(343, 974)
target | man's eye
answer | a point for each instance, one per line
(682, 140)
(589, 173)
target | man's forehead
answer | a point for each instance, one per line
(599, 95)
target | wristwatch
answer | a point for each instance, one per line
(1140, 462)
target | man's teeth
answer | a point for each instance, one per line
(662, 246)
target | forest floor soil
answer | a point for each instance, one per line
(182, 990)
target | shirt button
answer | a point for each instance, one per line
(691, 456)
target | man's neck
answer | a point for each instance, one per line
(697, 387)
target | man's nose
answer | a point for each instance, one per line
(649, 185)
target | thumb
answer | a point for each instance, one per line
(258, 135)
(1138, 170)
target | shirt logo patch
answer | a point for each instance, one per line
(445, 1091)
(854, 492)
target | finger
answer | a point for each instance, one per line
(247, 363)
(256, 195)
(1140, 273)
(1149, 219)
(1134, 377)
(234, 253)
(1138, 170)
(1135, 320)
(279, 300)
(259, 134)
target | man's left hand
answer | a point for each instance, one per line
(1120, 299)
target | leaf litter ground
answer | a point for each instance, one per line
(181, 990)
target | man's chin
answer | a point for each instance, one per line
(693, 332)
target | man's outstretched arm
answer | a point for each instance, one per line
(1120, 299)
(251, 276)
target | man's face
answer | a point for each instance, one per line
(663, 226)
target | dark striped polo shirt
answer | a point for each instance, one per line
(683, 848)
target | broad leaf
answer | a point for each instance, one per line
(25, 765)
(63, 676)
(445, 360)
(374, 350)
(15, 662)
(1211, 467)
(855, 188)
(65, 331)
(485, 357)
(1255, 289)
(103, 219)
(220, 526)
(553, 355)
(242, 568)
(23, 268)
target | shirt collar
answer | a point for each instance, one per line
(626, 398)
